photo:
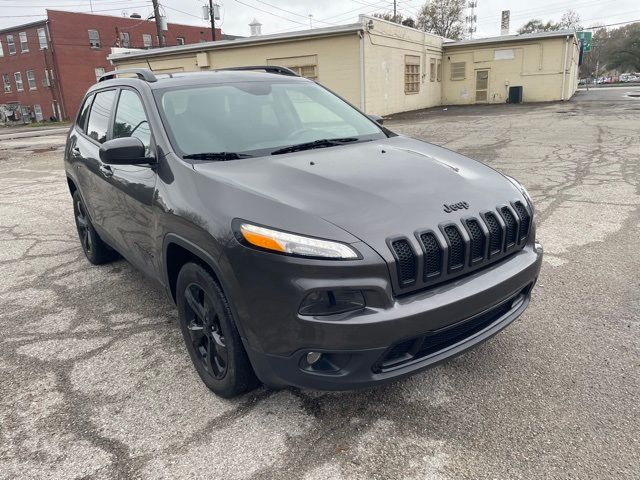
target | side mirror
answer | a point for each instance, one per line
(376, 118)
(124, 151)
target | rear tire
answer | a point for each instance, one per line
(210, 334)
(96, 251)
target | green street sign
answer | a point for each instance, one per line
(585, 37)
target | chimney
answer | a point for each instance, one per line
(504, 24)
(256, 28)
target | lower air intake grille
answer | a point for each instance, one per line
(478, 240)
(525, 220)
(512, 226)
(432, 256)
(406, 262)
(456, 247)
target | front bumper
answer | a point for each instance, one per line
(356, 345)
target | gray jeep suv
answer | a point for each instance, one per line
(303, 242)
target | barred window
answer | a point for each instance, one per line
(411, 74)
(458, 70)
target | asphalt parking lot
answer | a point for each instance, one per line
(95, 381)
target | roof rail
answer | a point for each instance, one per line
(142, 73)
(267, 68)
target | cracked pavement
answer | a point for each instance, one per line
(95, 381)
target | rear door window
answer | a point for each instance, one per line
(98, 127)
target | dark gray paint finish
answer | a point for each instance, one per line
(361, 194)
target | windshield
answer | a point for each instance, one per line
(258, 118)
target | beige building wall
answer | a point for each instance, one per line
(536, 65)
(387, 49)
(336, 60)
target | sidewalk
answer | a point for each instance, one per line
(27, 132)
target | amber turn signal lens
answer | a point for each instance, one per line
(261, 241)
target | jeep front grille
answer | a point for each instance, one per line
(458, 248)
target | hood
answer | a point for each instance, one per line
(373, 190)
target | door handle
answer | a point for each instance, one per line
(75, 151)
(106, 170)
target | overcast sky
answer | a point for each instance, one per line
(288, 15)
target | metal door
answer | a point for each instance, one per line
(482, 86)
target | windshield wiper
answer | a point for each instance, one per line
(216, 156)
(322, 143)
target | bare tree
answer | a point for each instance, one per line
(443, 17)
(399, 18)
(571, 20)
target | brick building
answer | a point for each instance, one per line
(46, 66)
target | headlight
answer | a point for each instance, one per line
(292, 244)
(523, 190)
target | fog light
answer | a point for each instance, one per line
(331, 302)
(313, 357)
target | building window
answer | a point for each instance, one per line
(164, 40)
(1, 50)
(94, 39)
(42, 38)
(46, 81)
(180, 40)
(458, 70)
(124, 39)
(24, 44)
(31, 80)
(146, 40)
(37, 109)
(432, 69)
(6, 82)
(411, 74)
(11, 45)
(18, 79)
(439, 70)
(99, 72)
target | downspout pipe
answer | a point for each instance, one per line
(564, 67)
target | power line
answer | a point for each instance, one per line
(270, 13)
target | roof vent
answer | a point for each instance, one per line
(135, 15)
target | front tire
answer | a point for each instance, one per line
(210, 334)
(96, 251)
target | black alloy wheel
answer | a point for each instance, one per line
(207, 338)
(210, 333)
(94, 248)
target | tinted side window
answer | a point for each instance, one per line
(100, 114)
(84, 113)
(131, 120)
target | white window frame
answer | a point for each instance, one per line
(94, 42)
(17, 78)
(455, 70)
(31, 80)
(6, 81)
(24, 42)
(42, 38)
(11, 45)
(125, 39)
(1, 50)
(147, 40)
(99, 71)
(46, 81)
(180, 41)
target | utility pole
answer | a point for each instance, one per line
(212, 14)
(156, 16)
(394, 10)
